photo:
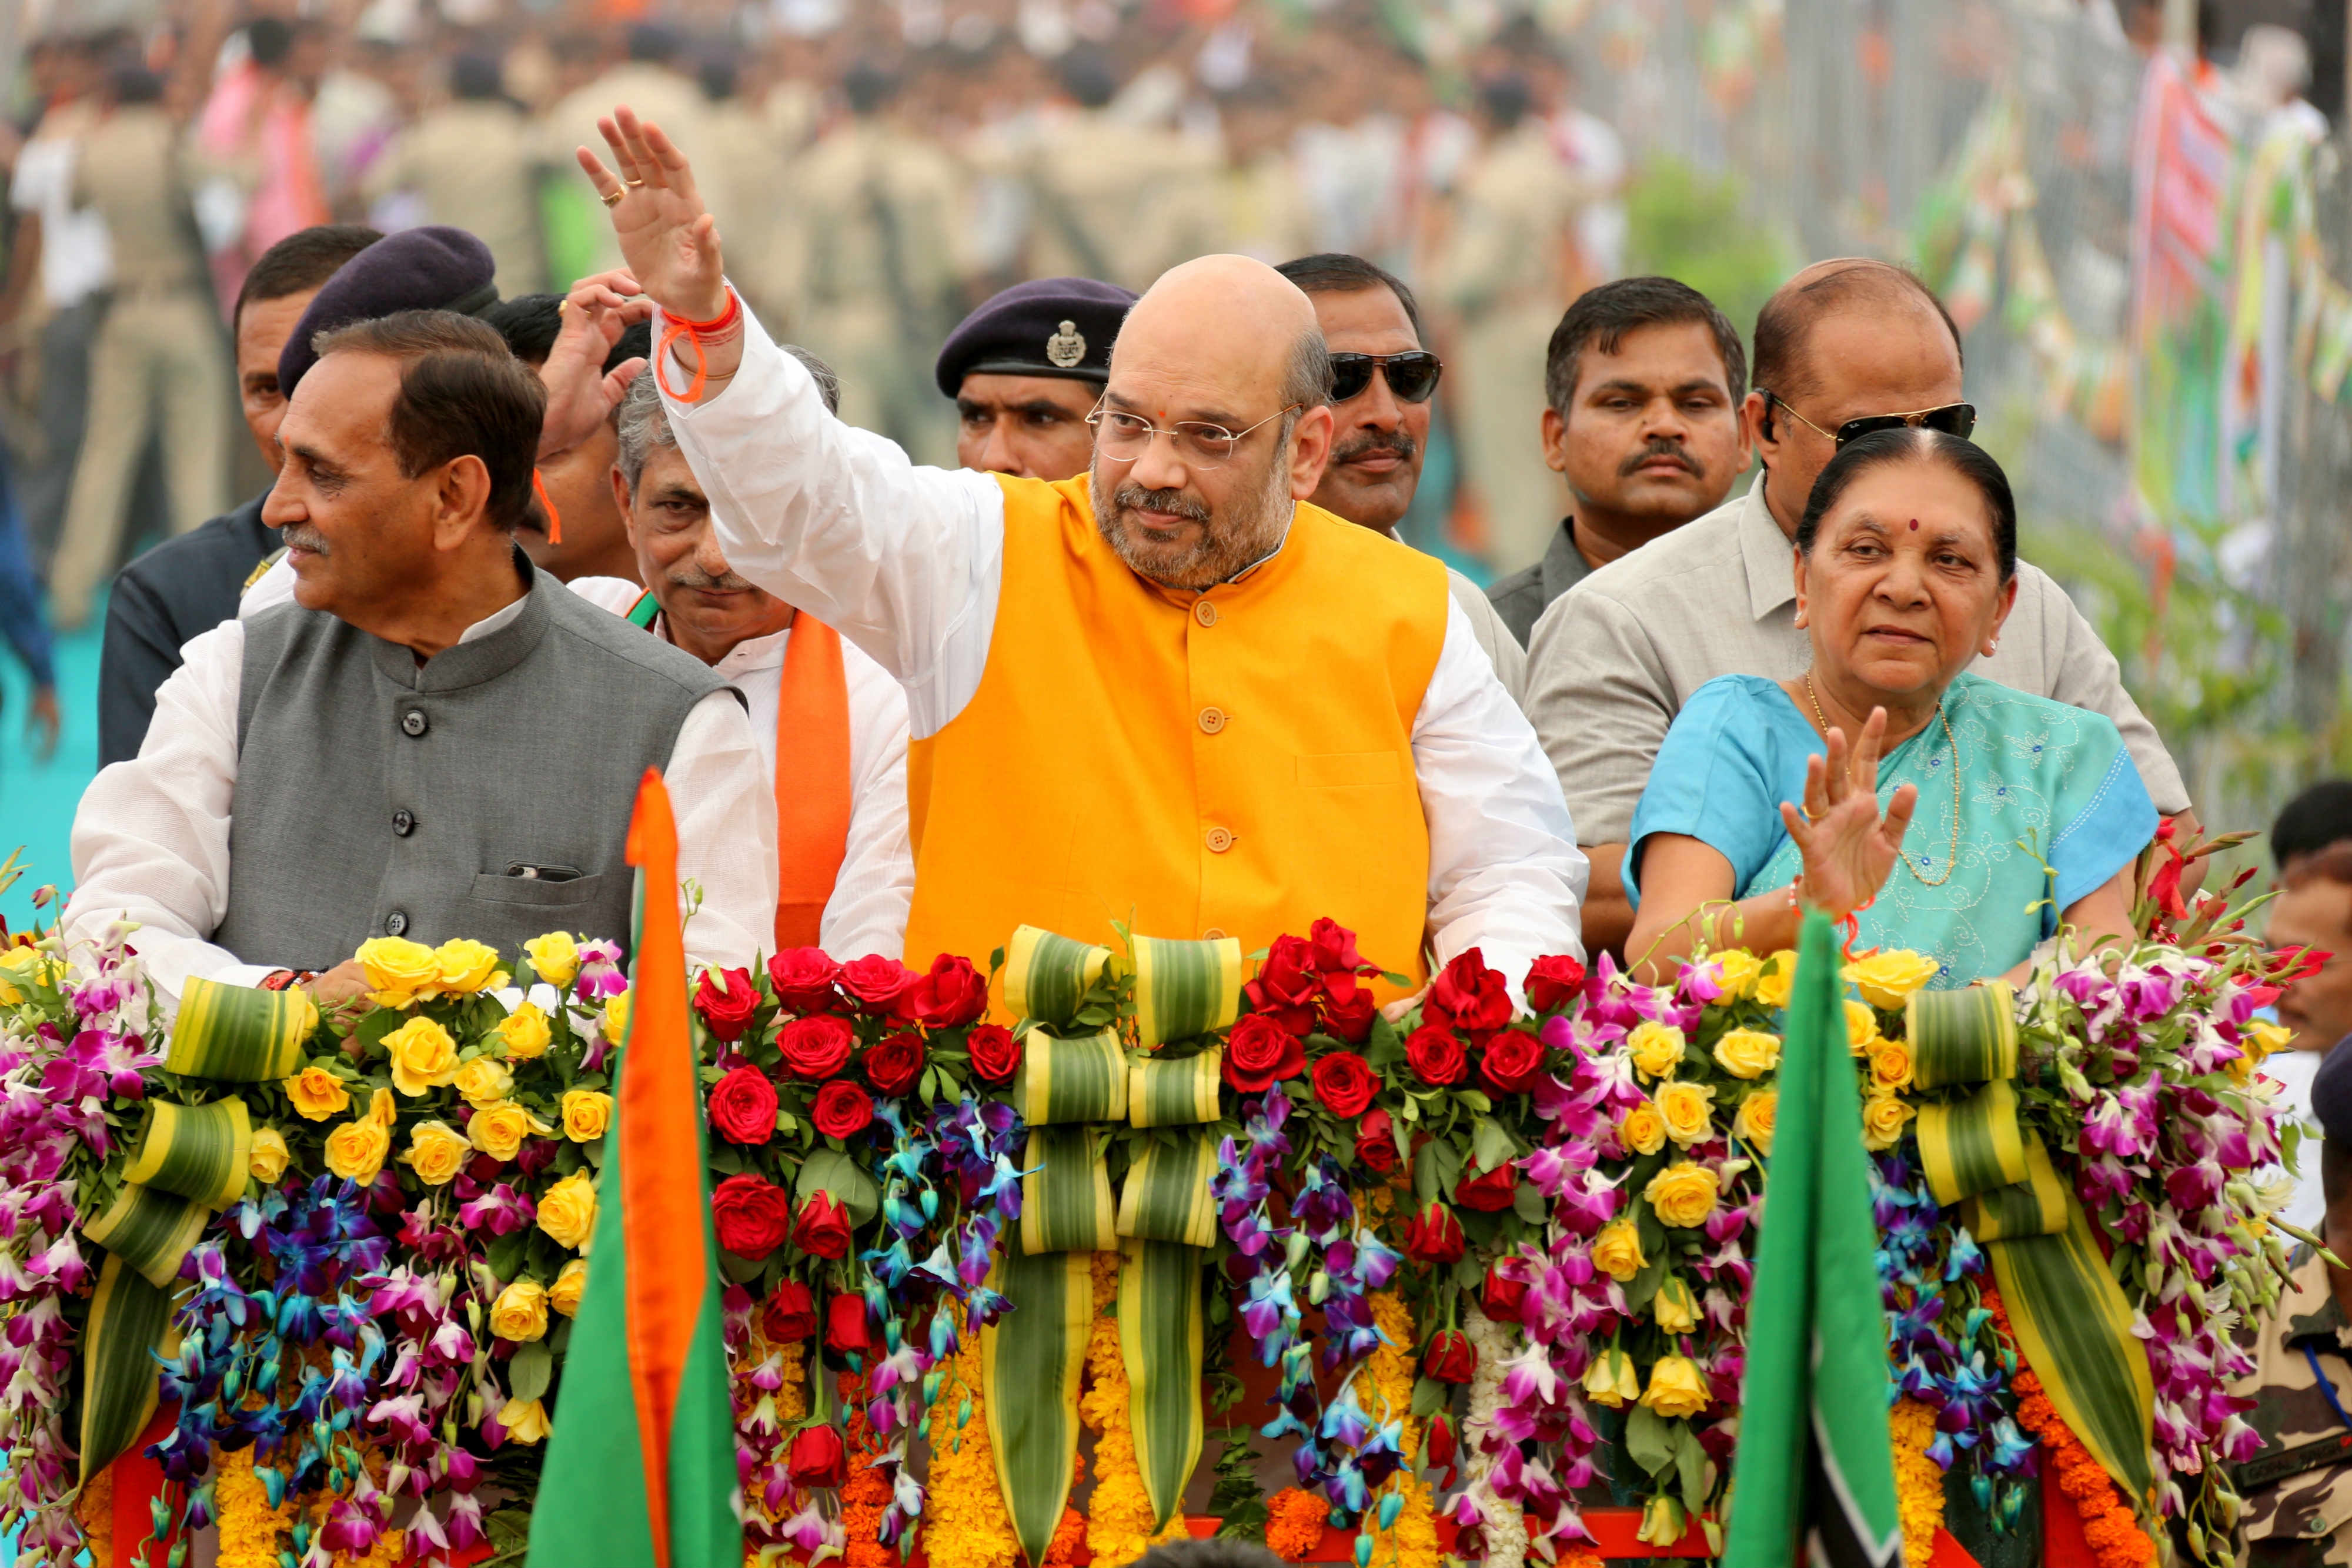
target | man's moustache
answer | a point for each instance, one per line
(304, 539)
(730, 583)
(1655, 450)
(1396, 442)
(1175, 503)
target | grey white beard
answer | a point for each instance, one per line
(1244, 536)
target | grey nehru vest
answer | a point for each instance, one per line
(485, 793)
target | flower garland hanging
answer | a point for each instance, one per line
(1502, 1529)
(249, 1526)
(867, 1494)
(1405, 1535)
(2113, 1534)
(1918, 1480)
(1118, 1515)
(967, 1525)
(1294, 1525)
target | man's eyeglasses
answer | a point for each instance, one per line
(1952, 419)
(1411, 376)
(1122, 436)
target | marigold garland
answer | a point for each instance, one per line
(1411, 1541)
(249, 1527)
(1294, 1525)
(1918, 1480)
(1118, 1515)
(2108, 1523)
(866, 1496)
(965, 1522)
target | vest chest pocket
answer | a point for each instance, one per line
(540, 893)
(1346, 769)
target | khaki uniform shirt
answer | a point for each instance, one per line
(473, 166)
(1512, 228)
(132, 171)
(1119, 202)
(1614, 659)
(2299, 1520)
(875, 211)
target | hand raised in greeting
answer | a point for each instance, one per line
(1849, 847)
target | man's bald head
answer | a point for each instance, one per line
(1229, 327)
(1846, 285)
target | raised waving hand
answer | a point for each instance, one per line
(1849, 848)
(668, 238)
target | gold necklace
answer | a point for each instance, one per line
(1950, 745)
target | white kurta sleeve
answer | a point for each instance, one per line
(905, 561)
(876, 887)
(150, 837)
(726, 833)
(1505, 874)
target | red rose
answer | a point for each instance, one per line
(816, 1047)
(1344, 1085)
(893, 1065)
(1376, 1141)
(995, 1054)
(817, 1458)
(1491, 1193)
(803, 979)
(1554, 982)
(752, 1216)
(822, 1228)
(1434, 1236)
(845, 1325)
(1505, 1299)
(1450, 1358)
(727, 1004)
(876, 981)
(743, 1106)
(1514, 1059)
(1348, 1008)
(790, 1315)
(841, 1109)
(1468, 995)
(1335, 947)
(1287, 978)
(1441, 1442)
(1436, 1056)
(952, 994)
(1259, 1052)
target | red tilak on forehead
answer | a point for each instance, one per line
(1915, 525)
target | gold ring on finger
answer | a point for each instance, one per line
(613, 198)
(633, 183)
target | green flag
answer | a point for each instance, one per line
(1813, 1478)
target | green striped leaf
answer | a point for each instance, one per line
(1047, 975)
(1161, 1094)
(1032, 1360)
(1082, 1080)
(1159, 1339)
(1962, 1037)
(1166, 1198)
(1972, 1145)
(238, 1033)
(1185, 988)
(1065, 1197)
(150, 1231)
(202, 1152)
(130, 1318)
(2036, 1207)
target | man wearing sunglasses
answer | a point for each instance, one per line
(1846, 347)
(1381, 384)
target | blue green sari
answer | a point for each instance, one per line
(2050, 808)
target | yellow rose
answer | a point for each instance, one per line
(21, 966)
(1779, 974)
(399, 972)
(1890, 1066)
(356, 1150)
(1683, 1195)
(437, 1152)
(568, 1212)
(1885, 978)
(1754, 1120)
(268, 1160)
(317, 1093)
(564, 1294)
(1617, 1251)
(1643, 1130)
(1675, 1309)
(525, 1421)
(520, 1311)
(1657, 1047)
(617, 1019)
(1737, 972)
(1677, 1387)
(554, 958)
(1688, 1109)
(1663, 1522)
(523, 1032)
(499, 1130)
(423, 1056)
(1748, 1053)
(585, 1111)
(1883, 1116)
(1612, 1380)
(468, 966)
(2259, 1040)
(1861, 1028)
(483, 1081)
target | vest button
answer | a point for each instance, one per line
(403, 822)
(1204, 613)
(1219, 841)
(395, 924)
(411, 723)
(1213, 935)
(1212, 719)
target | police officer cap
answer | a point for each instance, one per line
(1049, 327)
(429, 269)
(2331, 1096)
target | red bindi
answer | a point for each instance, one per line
(1915, 525)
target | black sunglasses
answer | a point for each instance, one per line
(1411, 376)
(1953, 419)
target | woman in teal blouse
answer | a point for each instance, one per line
(1949, 814)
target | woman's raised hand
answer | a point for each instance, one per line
(669, 239)
(1849, 847)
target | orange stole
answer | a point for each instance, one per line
(812, 795)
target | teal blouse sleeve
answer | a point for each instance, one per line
(2104, 814)
(1719, 778)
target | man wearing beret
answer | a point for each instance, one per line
(1167, 693)
(1024, 371)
